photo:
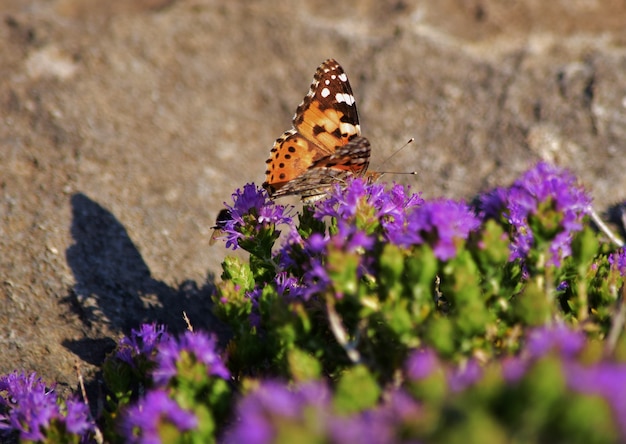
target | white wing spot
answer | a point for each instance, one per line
(325, 92)
(343, 77)
(334, 76)
(345, 98)
(326, 82)
(348, 128)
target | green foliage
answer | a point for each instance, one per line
(379, 303)
(348, 325)
(357, 390)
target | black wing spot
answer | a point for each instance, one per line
(346, 118)
(318, 129)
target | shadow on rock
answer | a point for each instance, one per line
(114, 286)
(617, 215)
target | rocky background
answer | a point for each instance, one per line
(125, 125)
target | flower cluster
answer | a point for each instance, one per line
(441, 223)
(186, 350)
(387, 318)
(275, 412)
(273, 400)
(287, 288)
(278, 412)
(618, 261)
(168, 374)
(544, 206)
(141, 342)
(250, 214)
(34, 411)
(147, 421)
(367, 204)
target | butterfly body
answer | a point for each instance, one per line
(325, 144)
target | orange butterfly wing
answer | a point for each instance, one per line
(324, 146)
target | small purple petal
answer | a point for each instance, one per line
(272, 404)
(465, 376)
(559, 338)
(141, 421)
(251, 209)
(421, 364)
(201, 346)
(440, 223)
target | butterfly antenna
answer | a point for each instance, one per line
(411, 140)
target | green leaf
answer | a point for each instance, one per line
(303, 366)
(440, 333)
(342, 270)
(419, 281)
(356, 391)
(583, 419)
(533, 306)
(239, 273)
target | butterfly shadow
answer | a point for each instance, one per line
(114, 290)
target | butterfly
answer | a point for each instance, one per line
(324, 146)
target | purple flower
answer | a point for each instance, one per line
(394, 204)
(465, 376)
(343, 201)
(262, 412)
(421, 364)
(440, 223)
(198, 345)
(606, 379)
(141, 342)
(563, 285)
(77, 417)
(31, 408)
(380, 425)
(514, 369)
(291, 249)
(142, 421)
(367, 201)
(316, 278)
(618, 261)
(251, 210)
(349, 239)
(288, 287)
(559, 338)
(316, 244)
(361, 211)
(492, 205)
(549, 195)
(255, 317)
